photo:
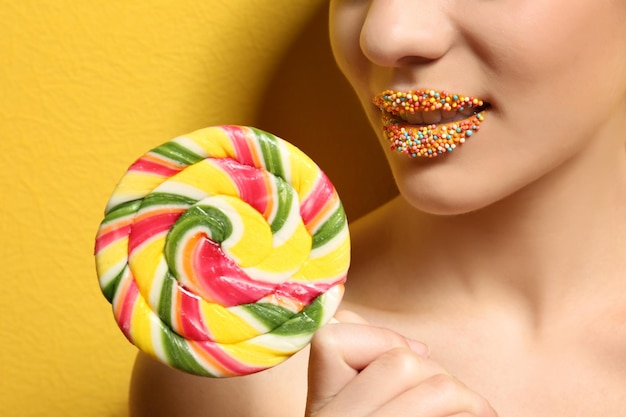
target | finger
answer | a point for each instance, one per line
(440, 395)
(339, 352)
(387, 377)
(347, 316)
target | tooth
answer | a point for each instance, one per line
(435, 116)
(467, 111)
(432, 116)
(414, 118)
(448, 115)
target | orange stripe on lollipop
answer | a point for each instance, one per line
(271, 203)
(284, 301)
(208, 358)
(256, 153)
(323, 214)
(187, 259)
(158, 211)
(113, 226)
(161, 160)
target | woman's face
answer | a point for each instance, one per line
(552, 74)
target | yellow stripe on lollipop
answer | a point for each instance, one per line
(214, 141)
(195, 176)
(134, 185)
(251, 239)
(225, 327)
(144, 262)
(304, 173)
(141, 326)
(110, 256)
(287, 257)
(256, 355)
(330, 266)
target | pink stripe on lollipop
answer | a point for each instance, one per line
(317, 199)
(151, 226)
(250, 182)
(153, 167)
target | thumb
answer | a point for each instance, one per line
(347, 316)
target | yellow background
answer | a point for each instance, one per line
(88, 86)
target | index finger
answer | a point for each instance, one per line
(340, 351)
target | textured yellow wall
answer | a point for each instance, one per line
(85, 88)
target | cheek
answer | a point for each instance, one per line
(555, 77)
(346, 20)
(546, 42)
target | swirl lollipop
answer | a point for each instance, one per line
(222, 251)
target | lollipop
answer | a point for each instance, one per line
(223, 251)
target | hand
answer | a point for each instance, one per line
(358, 370)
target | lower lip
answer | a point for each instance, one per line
(429, 141)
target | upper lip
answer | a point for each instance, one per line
(428, 106)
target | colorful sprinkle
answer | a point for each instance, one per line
(427, 140)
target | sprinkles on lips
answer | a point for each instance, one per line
(460, 116)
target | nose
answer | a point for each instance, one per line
(404, 32)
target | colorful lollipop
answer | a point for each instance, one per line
(223, 251)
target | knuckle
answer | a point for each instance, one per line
(481, 407)
(325, 340)
(484, 408)
(402, 360)
(445, 388)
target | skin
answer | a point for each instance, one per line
(503, 263)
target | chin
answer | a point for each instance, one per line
(446, 190)
(445, 204)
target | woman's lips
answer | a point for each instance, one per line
(428, 123)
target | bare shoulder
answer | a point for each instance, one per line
(159, 391)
